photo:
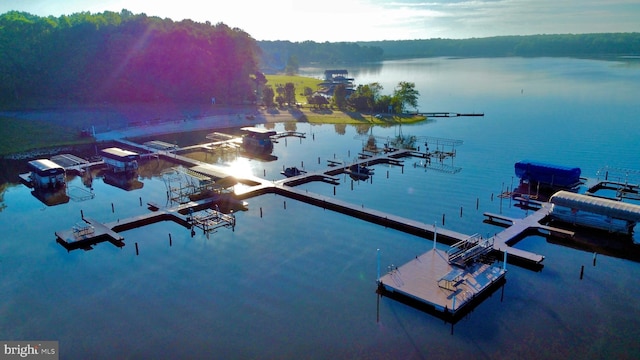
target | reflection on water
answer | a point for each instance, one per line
(295, 280)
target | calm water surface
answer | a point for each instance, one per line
(299, 282)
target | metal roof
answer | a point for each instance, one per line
(44, 164)
(597, 205)
(118, 153)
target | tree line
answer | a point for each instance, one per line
(122, 57)
(570, 45)
(126, 57)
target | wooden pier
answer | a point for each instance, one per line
(449, 114)
(89, 232)
(257, 186)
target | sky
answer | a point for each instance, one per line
(370, 20)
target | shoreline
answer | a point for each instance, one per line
(117, 121)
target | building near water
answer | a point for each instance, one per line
(257, 140)
(595, 212)
(119, 160)
(46, 174)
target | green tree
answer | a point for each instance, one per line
(290, 93)
(406, 94)
(292, 65)
(339, 98)
(267, 96)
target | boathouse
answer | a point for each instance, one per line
(547, 175)
(119, 160)
(595, 212)
(257, 140)
(46, 174)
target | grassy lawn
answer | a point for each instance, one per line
(300, 82)
(334, 116)
(22, 135)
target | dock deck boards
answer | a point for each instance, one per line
(418, 279)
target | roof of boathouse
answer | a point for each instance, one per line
(45, 166)
(119, 154)
(597, 205)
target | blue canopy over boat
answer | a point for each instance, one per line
(548, 174)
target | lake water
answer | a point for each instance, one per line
(299, 282)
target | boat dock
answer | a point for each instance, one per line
(199, 214)
(285, 187)
(449, 114)
(446, 282)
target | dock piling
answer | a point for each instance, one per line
(170, 241)
(477, 203)
(81, 214)
(442, 219)
(581, 271)
(112, 208)
(137, 252)
(285, 205)
(261, 212)
(594, 258)
(140, 200)
(460, 211)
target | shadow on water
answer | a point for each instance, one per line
(447, 315)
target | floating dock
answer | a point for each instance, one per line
(438, 280)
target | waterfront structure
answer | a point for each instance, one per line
(595, 212)
(547, 175)
(46, 174)
(446, 282)
(119, 160)
(257, 140)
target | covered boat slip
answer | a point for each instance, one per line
(548, 174)
(596, 212)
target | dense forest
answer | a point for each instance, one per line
(122, 57)
(569, 45)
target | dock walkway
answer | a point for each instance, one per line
(258, 186)
(432, 280)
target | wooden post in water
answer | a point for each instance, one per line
(581, 271)
(435, 235)
(285, 205)
(477, 203)
(261, 212)
(112, 208)
(460, 211)
(140, 200)
(81, 214)
(334, 190)
(378, 261)
(170, 241)
(137, 252)
(594, 258)
(387, 174)
(442, 219)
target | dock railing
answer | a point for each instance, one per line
(469, 249)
